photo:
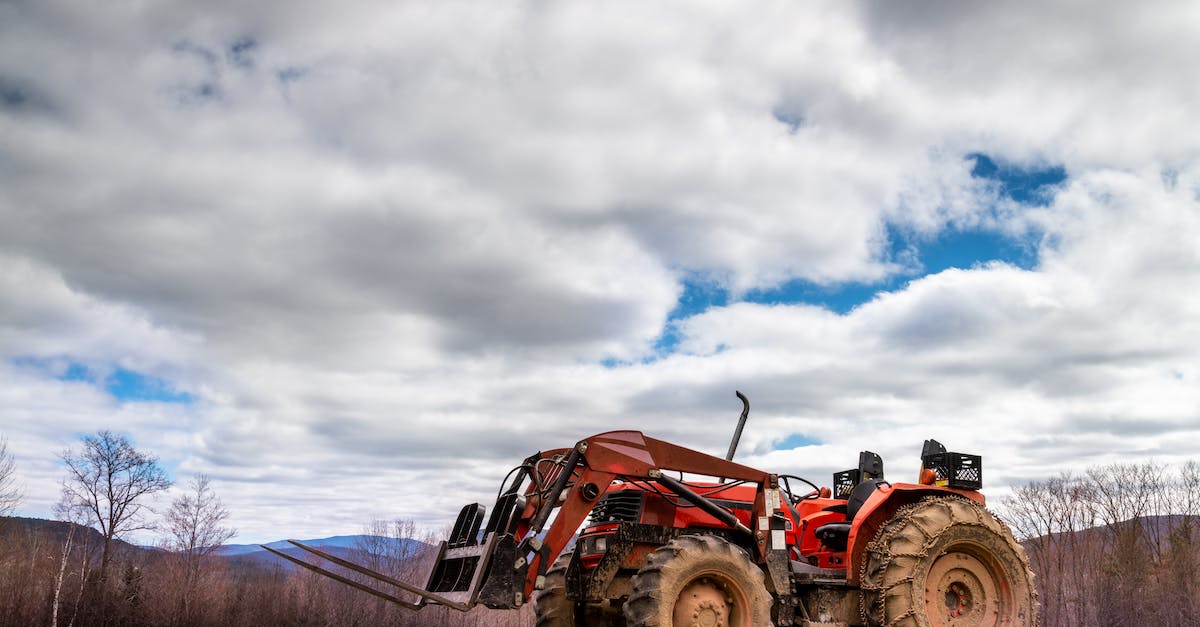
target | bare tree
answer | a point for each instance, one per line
(194, 520)
(10, 495)
(78, 516)
(195, 524)
(1053, 518)
(110, 480)
(1118, 545)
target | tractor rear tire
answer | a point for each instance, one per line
(699, 580)
(553, 608)
(946, 562)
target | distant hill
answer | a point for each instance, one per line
(243, 555)
(1152, 526)
(342, 546)
(57, 530)
(342, 542)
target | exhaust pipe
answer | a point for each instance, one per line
(737, 434)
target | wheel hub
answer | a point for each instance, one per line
(962, 592)
(703, 603)
(958, 599)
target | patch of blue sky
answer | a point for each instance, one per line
(130, 386)
(122, 384)
(951, 248)
(967, 249)
(75, 372)
(699, 295)
(794, 441)
(923, 255)
(1033, 185)
(839, 298)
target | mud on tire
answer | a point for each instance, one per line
(554, 609)
(946, 562)
(551, 604)
(699, 579)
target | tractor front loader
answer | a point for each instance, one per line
(666, 535)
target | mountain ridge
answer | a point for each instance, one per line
(344, 546)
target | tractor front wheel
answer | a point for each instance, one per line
(551, 605)
(699, 580)
(553, 608)
(947, 562)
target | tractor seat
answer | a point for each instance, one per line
(835, 535)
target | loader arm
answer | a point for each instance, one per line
(588, 473)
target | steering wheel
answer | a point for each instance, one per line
(816, 490)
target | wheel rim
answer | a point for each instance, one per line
(711, 600)
(966, 590)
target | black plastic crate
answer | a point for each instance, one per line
(844, 482)
(957, 470)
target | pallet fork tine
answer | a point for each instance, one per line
(407, 587)
(339, 578)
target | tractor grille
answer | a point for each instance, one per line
(621, 506)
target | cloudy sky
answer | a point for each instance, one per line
(356, 261)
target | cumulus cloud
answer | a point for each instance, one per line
(390, 249)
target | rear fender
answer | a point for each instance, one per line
(880, 508)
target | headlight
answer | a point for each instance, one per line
(593, 546)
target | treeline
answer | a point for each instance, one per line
(1118, 545)
(77, 572)
(46, 580)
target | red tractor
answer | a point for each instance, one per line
(665, 535)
